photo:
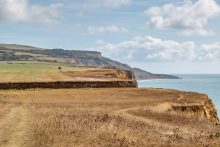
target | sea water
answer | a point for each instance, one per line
(208, 84)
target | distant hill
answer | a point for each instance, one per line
(141, 74)
(16, 52)
(18, 46)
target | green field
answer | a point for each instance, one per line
(25, 71)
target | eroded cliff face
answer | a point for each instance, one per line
(206, 110)
(101, 74)
(211, 112)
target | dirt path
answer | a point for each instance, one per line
(126, 114)
(181, 96)
(14, 128)
(158, 108)
(162, 107)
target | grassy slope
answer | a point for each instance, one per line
(24, 71)
(34, 71)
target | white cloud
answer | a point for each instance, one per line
(22, 11)
(189, 18)
(106, 29)
(210, 52)
(149, 49)
(143, 49)
(93, 4)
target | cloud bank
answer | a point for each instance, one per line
(22, 11)
(150, 49)
(210, 52)
(189, 17)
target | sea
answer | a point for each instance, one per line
(202, 83)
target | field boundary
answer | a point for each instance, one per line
(69, 84)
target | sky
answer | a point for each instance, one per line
(160, 36)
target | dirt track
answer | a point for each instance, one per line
(125, 113)
(14, 127)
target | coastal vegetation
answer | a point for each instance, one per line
(103, 117)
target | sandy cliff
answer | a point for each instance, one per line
(206, 109)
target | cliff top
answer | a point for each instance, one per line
(110, 117)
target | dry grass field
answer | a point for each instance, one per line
(102, 117)
(25, 71)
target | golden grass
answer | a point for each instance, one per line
(107, 117)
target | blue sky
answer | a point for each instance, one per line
(163, 36)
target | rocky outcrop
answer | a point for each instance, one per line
(206, 110)
(211, 112)
(101, 74)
